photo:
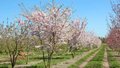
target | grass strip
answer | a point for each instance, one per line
(76, 64)
(58, 59)
(113, 63)
(97, 61)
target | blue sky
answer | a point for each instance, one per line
(95, 11)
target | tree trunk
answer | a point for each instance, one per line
(49, 59)
(44, 61)
(13, 62)
(72, 54)
(27, 59)
(13, 65)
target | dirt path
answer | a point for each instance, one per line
(67, 63)
(87, 60)
(105, 61)
(4, 61)
(29, 64)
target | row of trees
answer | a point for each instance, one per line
(47, 30)
(113, 38)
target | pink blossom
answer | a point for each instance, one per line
(20, 22)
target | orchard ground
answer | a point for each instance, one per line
(102, 57)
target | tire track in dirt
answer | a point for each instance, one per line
(86, 61)
(69, 62)
(105, 60)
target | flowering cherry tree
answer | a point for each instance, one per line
(49, 28)
(88, 39)
(113, 38)
(12, 35)
(75, 30)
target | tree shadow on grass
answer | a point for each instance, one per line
(57, 57)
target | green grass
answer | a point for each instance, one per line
(58, 59)
(97, 61)
(94, 64)
(54, 61)
(20, 62)
(76, 64)
(5, 66)
(113, 63)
